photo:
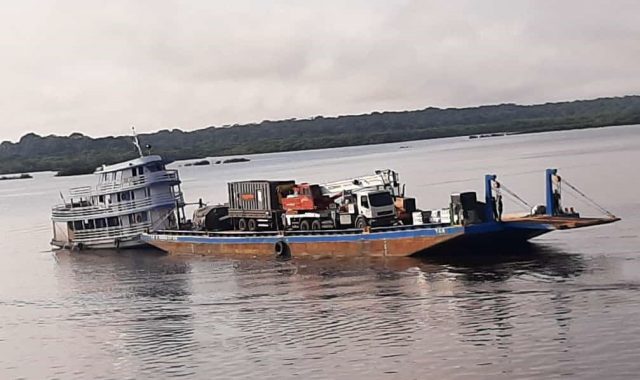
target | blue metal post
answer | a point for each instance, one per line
(488, 197)
(551, 209)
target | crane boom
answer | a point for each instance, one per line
(386, 179)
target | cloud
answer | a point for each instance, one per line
(100, 67)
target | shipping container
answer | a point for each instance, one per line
(256, 204)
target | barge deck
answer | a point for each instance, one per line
(493, 231)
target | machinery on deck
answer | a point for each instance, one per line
(360, 202)
(357, 202)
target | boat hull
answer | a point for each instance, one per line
(397, 241)
(297, 246)
(403, 241)
(101, 244)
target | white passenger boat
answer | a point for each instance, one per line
(131, 198)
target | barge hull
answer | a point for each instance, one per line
(398, 241)
(382, 247)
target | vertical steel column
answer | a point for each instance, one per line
(489, 210)
(551, 209)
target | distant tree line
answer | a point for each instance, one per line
(80, 154)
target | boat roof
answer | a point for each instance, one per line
(128, 164)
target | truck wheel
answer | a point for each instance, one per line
(304, 225)
(252, 225)
(361, 222)
(242, 224)
(316, 225)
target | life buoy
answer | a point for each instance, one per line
(282, 250)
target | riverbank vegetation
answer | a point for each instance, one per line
(80, 154)
(10, 177)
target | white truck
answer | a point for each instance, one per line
(356, 202)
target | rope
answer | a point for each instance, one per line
(594, 203)
(527, 205)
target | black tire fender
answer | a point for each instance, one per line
(282, 250)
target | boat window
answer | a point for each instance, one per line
(78, 225)
(101, 199)
(113, 221)
(380, 199)
(138, 217)
(89, 224)
(125, 196)
(134, 172)
(364, 201)
(101, 223)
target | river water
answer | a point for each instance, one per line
(565, 307)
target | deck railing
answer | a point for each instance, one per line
(101, 211)
(138, 181)
(125, 184)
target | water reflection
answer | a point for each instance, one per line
(171, 316)
(532, 259)
(139, 301)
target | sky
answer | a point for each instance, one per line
(100, 67)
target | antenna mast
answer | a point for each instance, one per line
(136, 142)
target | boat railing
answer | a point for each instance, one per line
(132, 182)
(348, 231)
(66, 211)
(221, 233)
(106, 232)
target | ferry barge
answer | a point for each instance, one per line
(467, 222)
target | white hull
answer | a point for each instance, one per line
(106, 244)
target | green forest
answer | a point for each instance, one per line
(80, 154)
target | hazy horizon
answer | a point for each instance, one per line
(99, 68)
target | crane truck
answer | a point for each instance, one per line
(371, 200)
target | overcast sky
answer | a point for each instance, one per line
(98, 67)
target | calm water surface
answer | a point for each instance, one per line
(566, 306)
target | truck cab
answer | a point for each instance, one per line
(305, 197)
(368, 208)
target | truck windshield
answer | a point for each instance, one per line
(380, 199)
